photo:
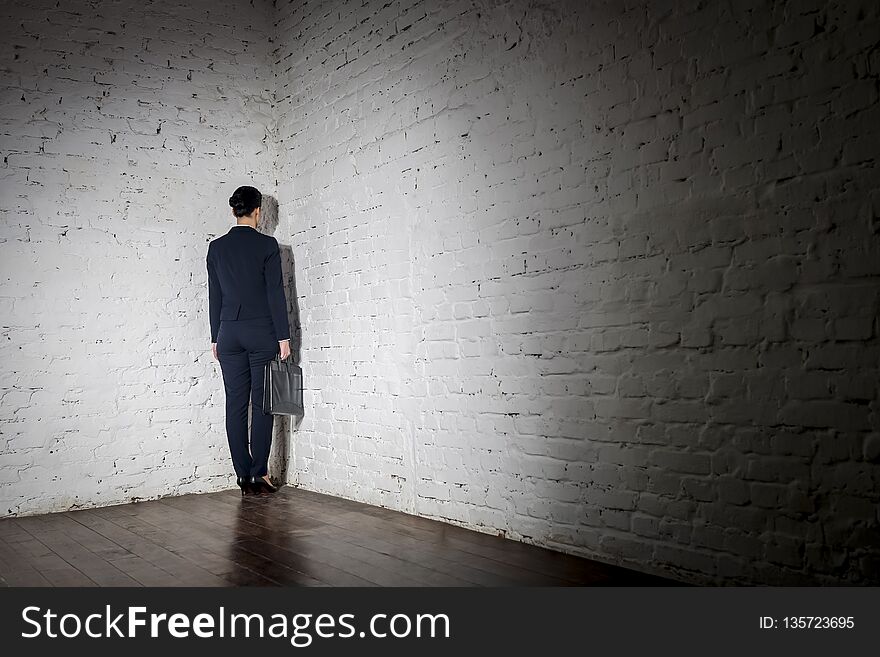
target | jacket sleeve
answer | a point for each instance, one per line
(215, 296)
(275, 292)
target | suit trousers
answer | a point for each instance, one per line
(244, 346)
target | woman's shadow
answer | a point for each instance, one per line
(282, 448)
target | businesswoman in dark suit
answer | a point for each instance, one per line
(248, 315)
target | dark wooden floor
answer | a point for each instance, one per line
(294, 538)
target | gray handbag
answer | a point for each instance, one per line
(282, 387)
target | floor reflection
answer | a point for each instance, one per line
(264, 550)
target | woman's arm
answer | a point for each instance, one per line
(215, 297)
(275, 293)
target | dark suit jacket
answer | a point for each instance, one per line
(245, 280)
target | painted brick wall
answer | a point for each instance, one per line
(596, 276)
(125, 128)
(600, 280)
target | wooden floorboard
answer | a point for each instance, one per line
(294, 538)
(463, 569)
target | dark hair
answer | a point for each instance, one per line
(245, 200)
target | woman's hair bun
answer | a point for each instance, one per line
(245, 200)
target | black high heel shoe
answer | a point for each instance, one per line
(244, 484)
(260, 486)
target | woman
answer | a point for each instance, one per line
(248, 315)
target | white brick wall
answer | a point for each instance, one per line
(598, 280)
(125, 130)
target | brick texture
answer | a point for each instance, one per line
(126, 127)
(598, 279)
(598, 276)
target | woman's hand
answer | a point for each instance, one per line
(284, 348)
(214, 351)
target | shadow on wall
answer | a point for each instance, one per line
(729, 413)
(697, 318)
(280, 456)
